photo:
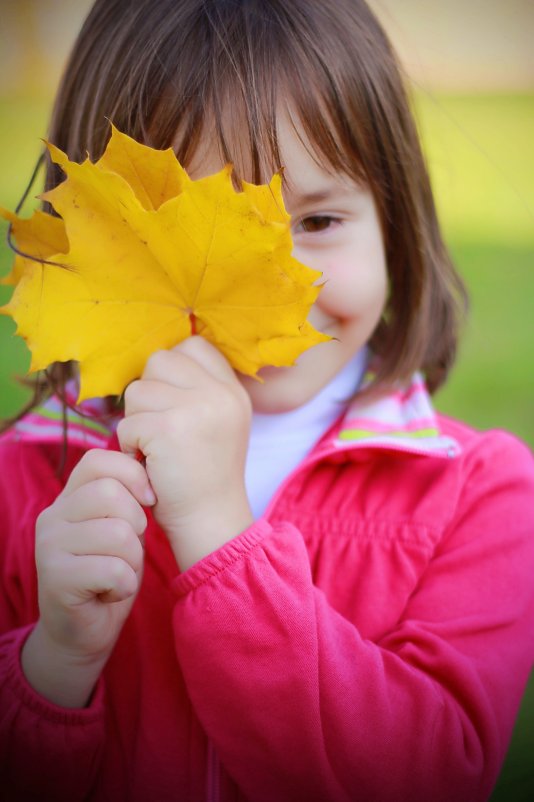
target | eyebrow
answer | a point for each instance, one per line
(321, 195)
(314, 197)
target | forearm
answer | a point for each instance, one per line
(46, 751)
(66, 680)
(325, 706)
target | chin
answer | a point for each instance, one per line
(282, 390)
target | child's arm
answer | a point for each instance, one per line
(89, 564)
(63, 664)
(300, 706)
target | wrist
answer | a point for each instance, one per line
(65, 679)
(202, 533)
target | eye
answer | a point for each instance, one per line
(316, 223)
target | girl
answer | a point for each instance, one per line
(315, 588)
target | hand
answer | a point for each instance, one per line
(89, 555)
(190, 417)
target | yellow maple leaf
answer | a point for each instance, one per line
(154, 175)
(40, 236)
(147, 254)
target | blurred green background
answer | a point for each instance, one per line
(472, 71)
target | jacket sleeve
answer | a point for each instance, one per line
(300, 706)
(46, 751)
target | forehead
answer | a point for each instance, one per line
(240, 84)
(305, 169)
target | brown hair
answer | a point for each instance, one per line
(165, 71)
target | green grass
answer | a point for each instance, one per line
(480, 155)
(493, 382)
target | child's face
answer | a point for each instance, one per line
(336, 230)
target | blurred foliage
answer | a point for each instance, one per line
(480, 156)
(24, 121)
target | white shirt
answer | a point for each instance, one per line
(279, 442)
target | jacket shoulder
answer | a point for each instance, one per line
(496, 448)
(496, 485)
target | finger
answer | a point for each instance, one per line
(176, 370)
(189, 364)
(110, 578)
(135, 433)
(150, 396)
(107, 537)
(104, 498)
(99, 464)
(208, 357)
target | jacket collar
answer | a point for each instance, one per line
(88, 425)
(404, 420)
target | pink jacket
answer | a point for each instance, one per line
(369, 639)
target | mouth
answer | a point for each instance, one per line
(320, 319)
(271, 370)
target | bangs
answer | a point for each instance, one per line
(241, 70)
(180, 74)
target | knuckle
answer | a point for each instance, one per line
(142, 523)
(204, 410)
(244, 399)
(42, 520)
(157, 362)
(46, 524)
(123, 578)
(108, 489)
(92, 457)
(122, 531)
(228, 399)
(127, 545)
(173, 422)
(116, 572)
(231, 403)
(193, 344)
(119, 571)
(131, 393)
(121, 426)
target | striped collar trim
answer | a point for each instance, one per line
(403, 420)
(45, 424)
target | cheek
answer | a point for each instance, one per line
(353, 289)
